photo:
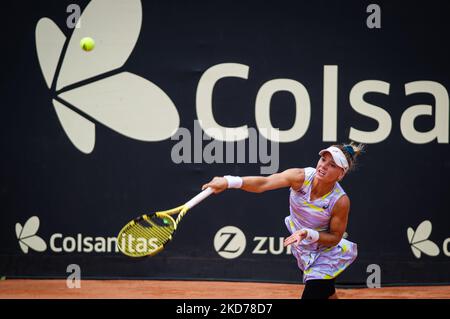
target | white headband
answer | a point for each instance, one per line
(338, 156)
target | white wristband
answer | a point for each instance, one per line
(233, 181)
(311, 237)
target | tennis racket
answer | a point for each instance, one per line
(147, 235)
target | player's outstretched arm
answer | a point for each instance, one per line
(293, 177)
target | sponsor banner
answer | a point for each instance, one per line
(170, 95)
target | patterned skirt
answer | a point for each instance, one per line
(318, 262)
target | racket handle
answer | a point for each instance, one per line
(197, 199)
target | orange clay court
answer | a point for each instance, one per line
(155, 289)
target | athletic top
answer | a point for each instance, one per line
(315, 260)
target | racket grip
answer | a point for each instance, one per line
(197, 199)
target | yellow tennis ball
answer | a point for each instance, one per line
(87, 44)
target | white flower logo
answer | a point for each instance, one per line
(419, 240)
(89, 87)
(27, 236)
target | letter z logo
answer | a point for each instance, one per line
(230, 242)
(227, 242)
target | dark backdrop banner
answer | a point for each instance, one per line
(90, 140)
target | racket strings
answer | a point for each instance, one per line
(135, 247)
(161, 233)
(137, 230)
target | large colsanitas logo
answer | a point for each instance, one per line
(91, 87)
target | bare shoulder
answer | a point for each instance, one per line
(342, 206)
(296, 177)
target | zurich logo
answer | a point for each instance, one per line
(230, 242)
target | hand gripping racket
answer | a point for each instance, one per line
(147, 235)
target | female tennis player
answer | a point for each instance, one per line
(319, 210)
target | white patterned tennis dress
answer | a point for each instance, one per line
(317, 261)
